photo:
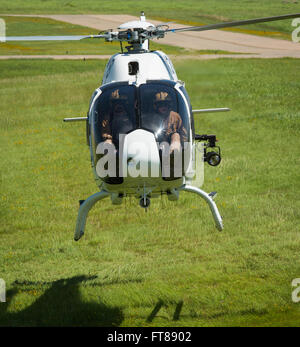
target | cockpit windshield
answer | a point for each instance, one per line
(156, 107)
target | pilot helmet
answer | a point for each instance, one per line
(162, 99)
(118, 101)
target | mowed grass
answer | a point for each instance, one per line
(193, 12)
(169, 266)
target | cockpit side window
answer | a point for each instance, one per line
(191, 111)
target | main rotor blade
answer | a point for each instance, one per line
(235, 24)
(52, 38)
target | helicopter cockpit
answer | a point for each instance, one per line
(158, 107)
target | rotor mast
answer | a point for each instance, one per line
(135, 29)
(145, 45)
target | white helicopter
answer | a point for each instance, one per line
(140, 127)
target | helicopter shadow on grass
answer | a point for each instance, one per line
(160, 303)
(59, 305)
(177, 315)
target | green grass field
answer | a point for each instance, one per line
(190, 11)
(170, 266)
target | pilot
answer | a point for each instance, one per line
(117, 121)
(173, 130)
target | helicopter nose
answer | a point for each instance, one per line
(140, 155)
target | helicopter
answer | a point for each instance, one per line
(140, 122)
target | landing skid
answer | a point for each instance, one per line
(84, 209)
(87, 204)
(209, 199)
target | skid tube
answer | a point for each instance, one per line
(209, 199)
(87, 204)
(84, 209)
